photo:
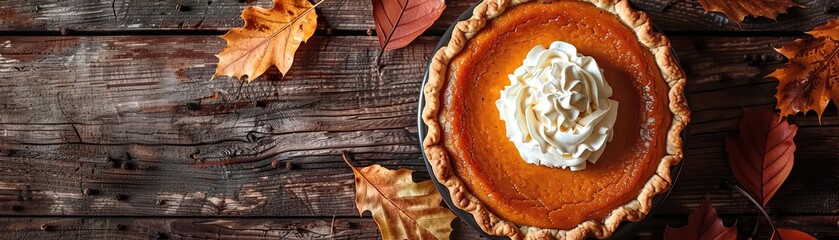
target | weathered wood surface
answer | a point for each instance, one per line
(348, 15)
(137, 121)
(199, 228)
(822, 227)
(127, 137)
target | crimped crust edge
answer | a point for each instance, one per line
(636, 209)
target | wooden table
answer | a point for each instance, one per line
(110, 126)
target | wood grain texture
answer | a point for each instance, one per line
(200, 228)
(137, 122)
(349, 15)
(823, 227)
(126, 137)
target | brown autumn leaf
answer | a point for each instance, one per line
(401, 208)
(703, 224)
(761, 156)
(790, 234)
(811, 77)
(398, 22)
(737, 10)
(270, 37)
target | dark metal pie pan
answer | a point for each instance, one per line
(623, 230)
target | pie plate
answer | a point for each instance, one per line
(623, 230)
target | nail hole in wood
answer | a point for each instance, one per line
(127, 166)
(193, 106)
(120, 197)
(261, 104)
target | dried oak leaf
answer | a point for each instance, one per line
(761, 156)
(401, 208)
(270, 37)
(790, 234)
(703, 224)
(811, 77)
(739, 9)
(398, 22)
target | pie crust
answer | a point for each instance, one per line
(489, 222)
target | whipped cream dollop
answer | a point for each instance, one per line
(557, 108)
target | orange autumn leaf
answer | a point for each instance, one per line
(790, 234)
(270, 37)
(811, 77)
(761, 156)
(401, 208)
(739, 9)
(703, 224)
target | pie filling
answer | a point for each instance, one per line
(498, 173)
(557, 108)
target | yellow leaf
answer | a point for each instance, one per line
(402, 208)
(811, 77)
(739, 9)
(269, 38)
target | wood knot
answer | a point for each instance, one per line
(121, 227)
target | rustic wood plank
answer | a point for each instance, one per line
(200, 228)
(148, 103)
(689, 16)
(137, 122)
(822, 227)
(347, 15)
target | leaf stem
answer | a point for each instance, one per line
(344, 156)
(757, 205)
(392, 31)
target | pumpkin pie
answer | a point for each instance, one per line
(554, 119)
